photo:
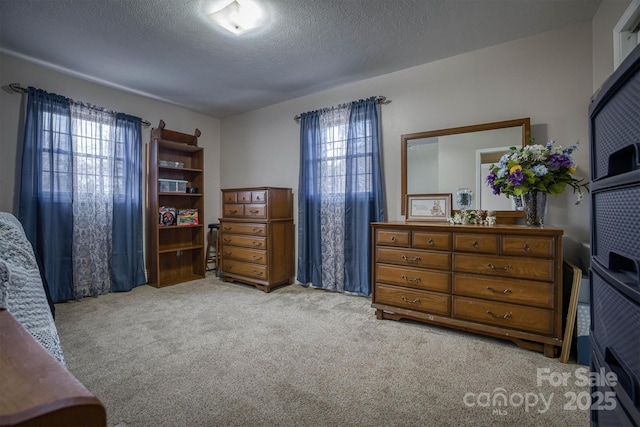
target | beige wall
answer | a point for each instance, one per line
(547, 77)
(15, 70)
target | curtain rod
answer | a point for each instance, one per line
(379, 99)
(16, 88)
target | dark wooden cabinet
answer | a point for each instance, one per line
(503, 281)
(175, 251)
(257, 236)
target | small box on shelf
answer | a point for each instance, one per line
(167, 216)
(188, 217)
(167, 163)
(172, 186)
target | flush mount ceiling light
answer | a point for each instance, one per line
(239, 16)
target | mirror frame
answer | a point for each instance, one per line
(525, 123)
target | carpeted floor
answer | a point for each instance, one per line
(209, 353)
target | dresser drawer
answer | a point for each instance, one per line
(414, 277)
(431, 240)
(246, 241)
(244, 254)
(255, 211)
(615, 236)
(528, 246)
(233, 210)
(413, 299)
(527, 292)
(512, 316)
(230, 197)
(258, 197)
(520, 267)
(414, 257)
(479, 243)
(244, 228)
(244, 269)
(615, 125)
(392, 237)
(244, 196)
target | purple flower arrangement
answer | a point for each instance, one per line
(536, 167)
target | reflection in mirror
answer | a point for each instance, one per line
(443, 160)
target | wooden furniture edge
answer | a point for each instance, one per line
(43, 391)
(571, 312)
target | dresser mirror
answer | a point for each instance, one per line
(441, 161)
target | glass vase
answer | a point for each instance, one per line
(535, 208)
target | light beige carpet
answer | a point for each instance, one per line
(208, 353)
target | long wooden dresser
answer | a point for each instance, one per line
(503, 280)
(257, 236)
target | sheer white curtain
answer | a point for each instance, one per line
(93, 133)
(332, 161)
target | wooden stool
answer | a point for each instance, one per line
(213, 252)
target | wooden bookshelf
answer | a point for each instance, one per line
(175, 253)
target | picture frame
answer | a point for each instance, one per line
(428, 207)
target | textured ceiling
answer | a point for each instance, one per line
(169, 50)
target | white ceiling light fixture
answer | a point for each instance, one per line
(239, 16)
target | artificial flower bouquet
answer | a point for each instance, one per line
(536, 167)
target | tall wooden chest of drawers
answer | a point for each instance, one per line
(503, 281)
(257, 236)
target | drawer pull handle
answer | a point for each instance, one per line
(430, 242)
(234, 211)
(226, 240)
(259, 273)
(414, 280)
(226, 228)
(254, 211)
(393, 238)
(412, 301)
(494, 267)
(506, 291)
(414, 259)
(475, 244)
(506, 316)
(257, 244)
(228, 253)
(257, 258)
(526, 247)
(257, 231)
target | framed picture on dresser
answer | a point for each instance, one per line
(428, 207)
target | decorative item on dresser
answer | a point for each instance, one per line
(504, 280)
(257, 236)
(175, 214)
(614, 117)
